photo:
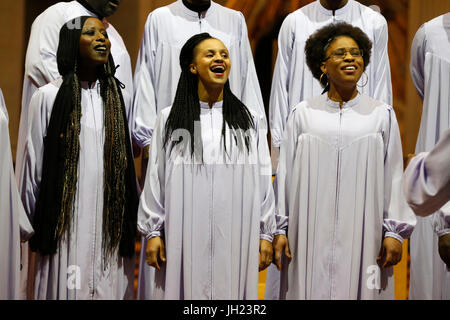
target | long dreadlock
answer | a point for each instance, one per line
(186, 106)
(55, 204)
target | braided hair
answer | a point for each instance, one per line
(55, 204)
(186, 106)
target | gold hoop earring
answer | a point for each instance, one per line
(320, 80)
(365, 83)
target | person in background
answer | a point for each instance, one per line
(430, 72)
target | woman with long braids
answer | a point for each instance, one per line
(78, 182)
(207, 204)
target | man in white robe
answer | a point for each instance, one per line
(41, 67)
(293, 82)
(430, 71)
(15, 225)
(77, 270)
(158, 70)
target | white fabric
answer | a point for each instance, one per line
(338, 192)
(430, 71)
(212, 214)
(293, 82)
(14, 221)
(427, 178)
(158, 65)
(79, 253)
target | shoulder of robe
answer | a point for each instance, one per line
(378, 20)
(53, 14)
(371, 102)
(227, 11)
(50, 90)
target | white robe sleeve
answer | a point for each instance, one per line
(282, 183)
(251, 94)
(399, 220)
(268, 222)
(381, 74)
(31, 171)
(427, 179)
(279, 107)
(144, 102)
(151, 213)
(417, 63)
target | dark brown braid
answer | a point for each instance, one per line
(115, 163)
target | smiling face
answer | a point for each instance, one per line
(105, 7)
(94, 43)
(343, 65)
(211, 63)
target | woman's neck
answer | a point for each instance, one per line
(210, 95)
(342, 94)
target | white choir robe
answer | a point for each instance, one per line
(158, 70)
(338, 192)
(15, 225)
(293, 81)
(158, 65)
(212, 215)
(77, 269)
(430, 72)
(426, 181)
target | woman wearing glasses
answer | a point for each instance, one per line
(338, 184)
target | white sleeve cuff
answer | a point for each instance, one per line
(443, 232)
(393, 235)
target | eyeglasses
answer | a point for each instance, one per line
(342, 53)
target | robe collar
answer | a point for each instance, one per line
(85, 84)
(349, 104)
(194, 14)
(337, 12)
(205, 105)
